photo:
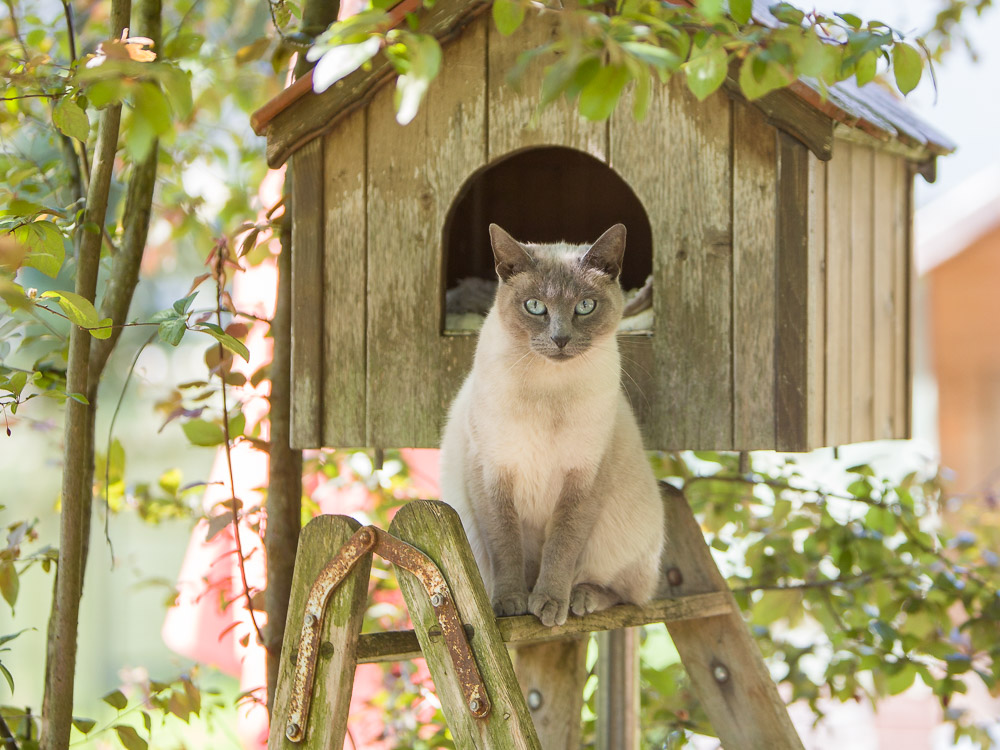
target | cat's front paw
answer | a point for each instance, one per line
(510, 603)
(549, 609)
(589, 597)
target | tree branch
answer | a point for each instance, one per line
(284, 494)
(60, 662)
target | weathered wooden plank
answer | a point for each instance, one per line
(307, 297)
(617, 700)
(320, 540)
(838, 297)
(792, 295)
(552, 677)
(790, 113)
(311, 115)
(862, 294)
(521, 630)
(435, 529)
(689, 207)
(755, 185)
(884, 287)
(409, 193)
(718, 653)
(345, 269)
(906, 281)
(637, 377)
(816, 307)
(511, 108)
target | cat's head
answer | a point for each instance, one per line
(560, 299)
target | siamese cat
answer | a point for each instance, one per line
(542, 457)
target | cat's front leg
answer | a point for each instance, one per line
(502, 537)
(572, 522)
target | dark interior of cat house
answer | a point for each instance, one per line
(548, 194)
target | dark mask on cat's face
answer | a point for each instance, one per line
(559, 299)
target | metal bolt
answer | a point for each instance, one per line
(675, 577)
(437, 600)
(310, 619)
(292, 730)
(720, 673)
(474, 705)
(434, 634)
(326, 650)
(534, 699)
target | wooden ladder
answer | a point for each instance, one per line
(465, 645)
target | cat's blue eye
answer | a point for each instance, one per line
(585, 306)
(535, 307)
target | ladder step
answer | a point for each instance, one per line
(518, 630)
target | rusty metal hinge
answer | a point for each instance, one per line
(366, 540)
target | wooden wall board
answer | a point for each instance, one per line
(688, 200)
(884, 287)
(906, 281)
(345, 284)
(307, 296)
(792, 295)
(838, 296)
(409, 193)
(862, 293)
(755, 200)
(511, 107)
(816, 306)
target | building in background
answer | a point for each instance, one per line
(958, 259)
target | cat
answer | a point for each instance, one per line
(541, 455)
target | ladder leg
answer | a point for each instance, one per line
(552, 677)
(435, 529)
(719, 654)
(617, 705)
(320, 541)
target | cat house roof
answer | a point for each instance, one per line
(870, 113)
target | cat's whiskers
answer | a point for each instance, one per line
(626, 373)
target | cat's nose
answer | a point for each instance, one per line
(560, 340)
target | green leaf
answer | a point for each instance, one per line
(711, 9)
(422, 63)
(7, 676)
(79, 310)
(171, 330)
(46, 246)
(71, 119)
(130, 738)
(507, 15)
(759, 77)
(182, 305)
(343, 60)
(9, 582)
(907, 67)
(850, 19)
(659, 57)
(866, 68)
(83, 725)
(599, 97)
(116, 699)
(202, 432)
(103, 329)
(741, 10)
(237, 425)
(232, 344)
(706, 71)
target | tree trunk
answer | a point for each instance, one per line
(284, 495)
(60, 661)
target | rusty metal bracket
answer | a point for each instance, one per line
(366, 540)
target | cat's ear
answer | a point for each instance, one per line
(510, 255)
(605, 255)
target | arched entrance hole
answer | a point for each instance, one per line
(546, 194)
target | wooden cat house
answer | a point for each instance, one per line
(777, 234)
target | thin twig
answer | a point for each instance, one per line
(107, 459)
(229, 457)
